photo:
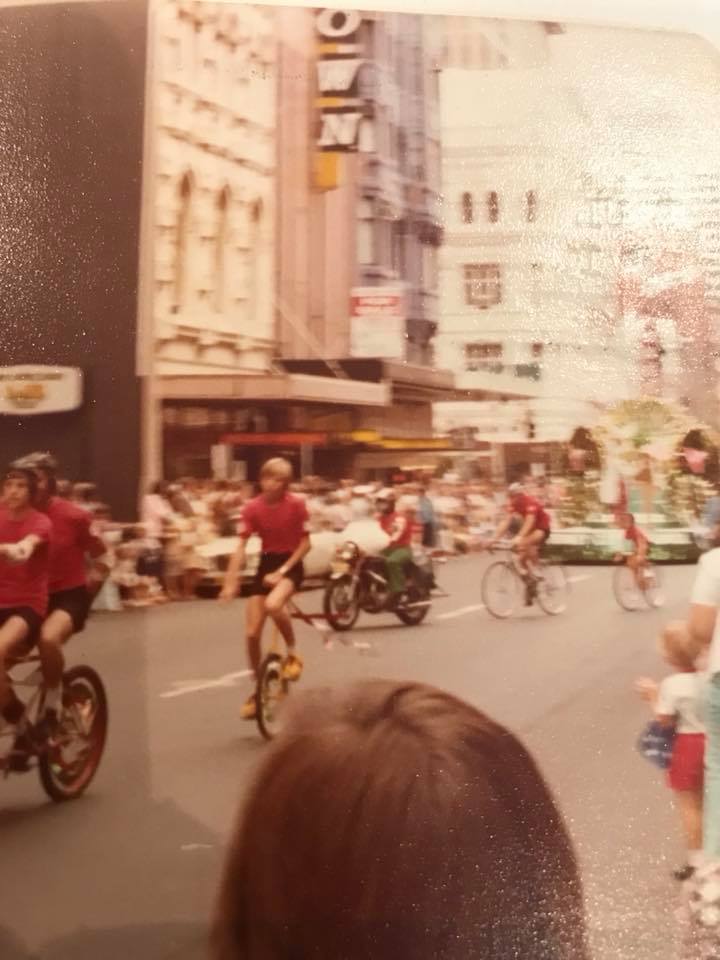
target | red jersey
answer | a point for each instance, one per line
(398, 527)
(71, 540)
(635, 535)
(280, 525)
(25, 584)
(527, 506)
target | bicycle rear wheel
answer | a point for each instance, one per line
(626, 589)
(74, 753)
(501, 590)
(552, 589)
(271, 690)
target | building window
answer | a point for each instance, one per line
(483, 287)
(366, 234)
(487, 357)
(183, 227)
(531, 206)
(493, 206)
(466, 208)
(398, 247)
(221, 247)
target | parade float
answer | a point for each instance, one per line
(646, 457)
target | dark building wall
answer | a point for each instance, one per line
(71, 138)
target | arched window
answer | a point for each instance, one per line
(493, 206)
(255, 215)
(530, 206)
(221, 247)
(183, 230)
(466, 208)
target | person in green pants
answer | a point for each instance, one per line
(398, 527)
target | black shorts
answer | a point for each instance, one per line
(30, 616)
(76, 602)
(269, 562)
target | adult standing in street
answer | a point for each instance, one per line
(705, 627)
(427, 517)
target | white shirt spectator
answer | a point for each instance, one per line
(683, 695)
(153, 511)
(706, 592)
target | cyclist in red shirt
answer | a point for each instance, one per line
(535, 530)
(637, 560)
(70, 594)
(281, 521)
(24, 551)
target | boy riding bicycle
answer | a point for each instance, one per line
(281, 522)
(533, 533)
(637, 559)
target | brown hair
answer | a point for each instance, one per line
(397, 821)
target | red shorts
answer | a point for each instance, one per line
(687, 767)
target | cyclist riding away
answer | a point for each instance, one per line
(24, 553)
(637, 560)
(397, 526)
(534, 532)
(70, 594)
(281, 521)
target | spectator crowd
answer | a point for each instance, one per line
(170, 552)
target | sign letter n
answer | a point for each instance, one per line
(339, 130)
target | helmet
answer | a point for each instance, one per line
(16, 469)
(45, 463)
(515, 489)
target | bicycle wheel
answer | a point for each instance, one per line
(653, 586)
(501, 590)
(626, 589)
(74, 753)
(552, 589)
(271, 690)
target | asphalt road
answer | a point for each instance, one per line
(131, 870)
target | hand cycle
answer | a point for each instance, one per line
(67, 757)
(505, 584)
(631, 595)
(271, 687)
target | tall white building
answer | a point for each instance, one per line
(211, 111)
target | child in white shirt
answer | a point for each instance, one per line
(678, 701)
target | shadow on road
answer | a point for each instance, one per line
(170, 941)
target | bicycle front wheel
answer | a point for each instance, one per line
(272, 688)
(501, 590)
(552, 589)
(626, 589)
(653, 586)
(74, 753)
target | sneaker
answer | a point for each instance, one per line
(292, 668)
(683, 873)
(248, 711)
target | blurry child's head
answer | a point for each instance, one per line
(678, 647)
(626, 520)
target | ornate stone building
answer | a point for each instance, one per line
(211, 129)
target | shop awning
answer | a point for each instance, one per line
(282, 387)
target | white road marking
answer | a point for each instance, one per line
(578, 578)
(461, 612)
(181, 687)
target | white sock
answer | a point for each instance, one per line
(53, 698)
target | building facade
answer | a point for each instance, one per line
(551, 195)
(72, 168)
